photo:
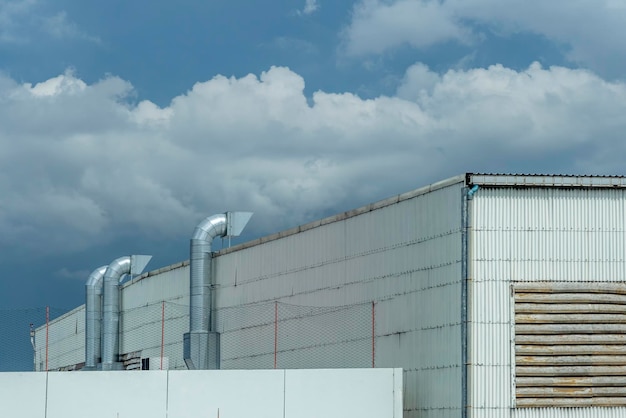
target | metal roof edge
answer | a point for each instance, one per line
(470, 179)
(545, 180)
(348, 214)
(155, 272)
(61, 317)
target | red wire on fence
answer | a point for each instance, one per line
(275, 331)
(309, 336)
(47, 333)
(162, 331)
(373, 334)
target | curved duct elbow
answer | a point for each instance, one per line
(200, 270)
(111, 305)
(201, 343)
(93, 316)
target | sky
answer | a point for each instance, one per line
(123, 124)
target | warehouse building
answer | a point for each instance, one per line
(498, 295)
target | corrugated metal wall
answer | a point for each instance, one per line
(170, 284)
(405, 256)
(595, 412)
(533, 235)
(66, 341)
(140, 321)
(143, 314)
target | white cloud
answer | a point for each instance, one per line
(418, 81)
(23, 21)
(81, 164)
(11, 13)
(63, 84)
(591, 32)
(378, 26)
(61, 27)
(310, 6)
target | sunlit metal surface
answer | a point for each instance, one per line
(93, 317)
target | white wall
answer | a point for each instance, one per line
(405, 256)
(533, 235)
(331, 393)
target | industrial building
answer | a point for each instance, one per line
(498, 296)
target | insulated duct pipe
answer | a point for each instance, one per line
(201, 344)
(93, 316)
(111, 306)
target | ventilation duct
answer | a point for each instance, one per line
(111, 305)
(93, 316)
(201, 343)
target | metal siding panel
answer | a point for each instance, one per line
(171, 285)
(595, 412)
(140, 322)
(406, 256)
(531, 235)
(552, 234)
(66, 341)
(69, 339)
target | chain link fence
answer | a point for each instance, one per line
(17, 336)
(258, 336)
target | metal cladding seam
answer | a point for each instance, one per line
(93, 316)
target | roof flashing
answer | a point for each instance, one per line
(545, 180)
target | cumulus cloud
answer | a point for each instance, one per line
(592, 33)
(82, 163)
(310, 6)
(378, 26)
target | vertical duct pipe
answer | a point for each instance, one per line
(93, 316)
(200, 271)
(111, 306)
(201, 343)
(467, 196)
(111, 317)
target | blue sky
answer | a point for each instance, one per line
(122, 126)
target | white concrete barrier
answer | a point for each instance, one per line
(330, 393)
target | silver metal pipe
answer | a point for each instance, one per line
(111, 308)
(200, 271)
(467, 194)
(201, 345)
(93, 317)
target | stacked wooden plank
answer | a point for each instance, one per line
(570, 344)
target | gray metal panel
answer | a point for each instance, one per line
(552, 234)
(595, 412)
(406, 256)
(66, 341)
(140, 322)
(171, 285)
(533, 234)
(142, 312)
